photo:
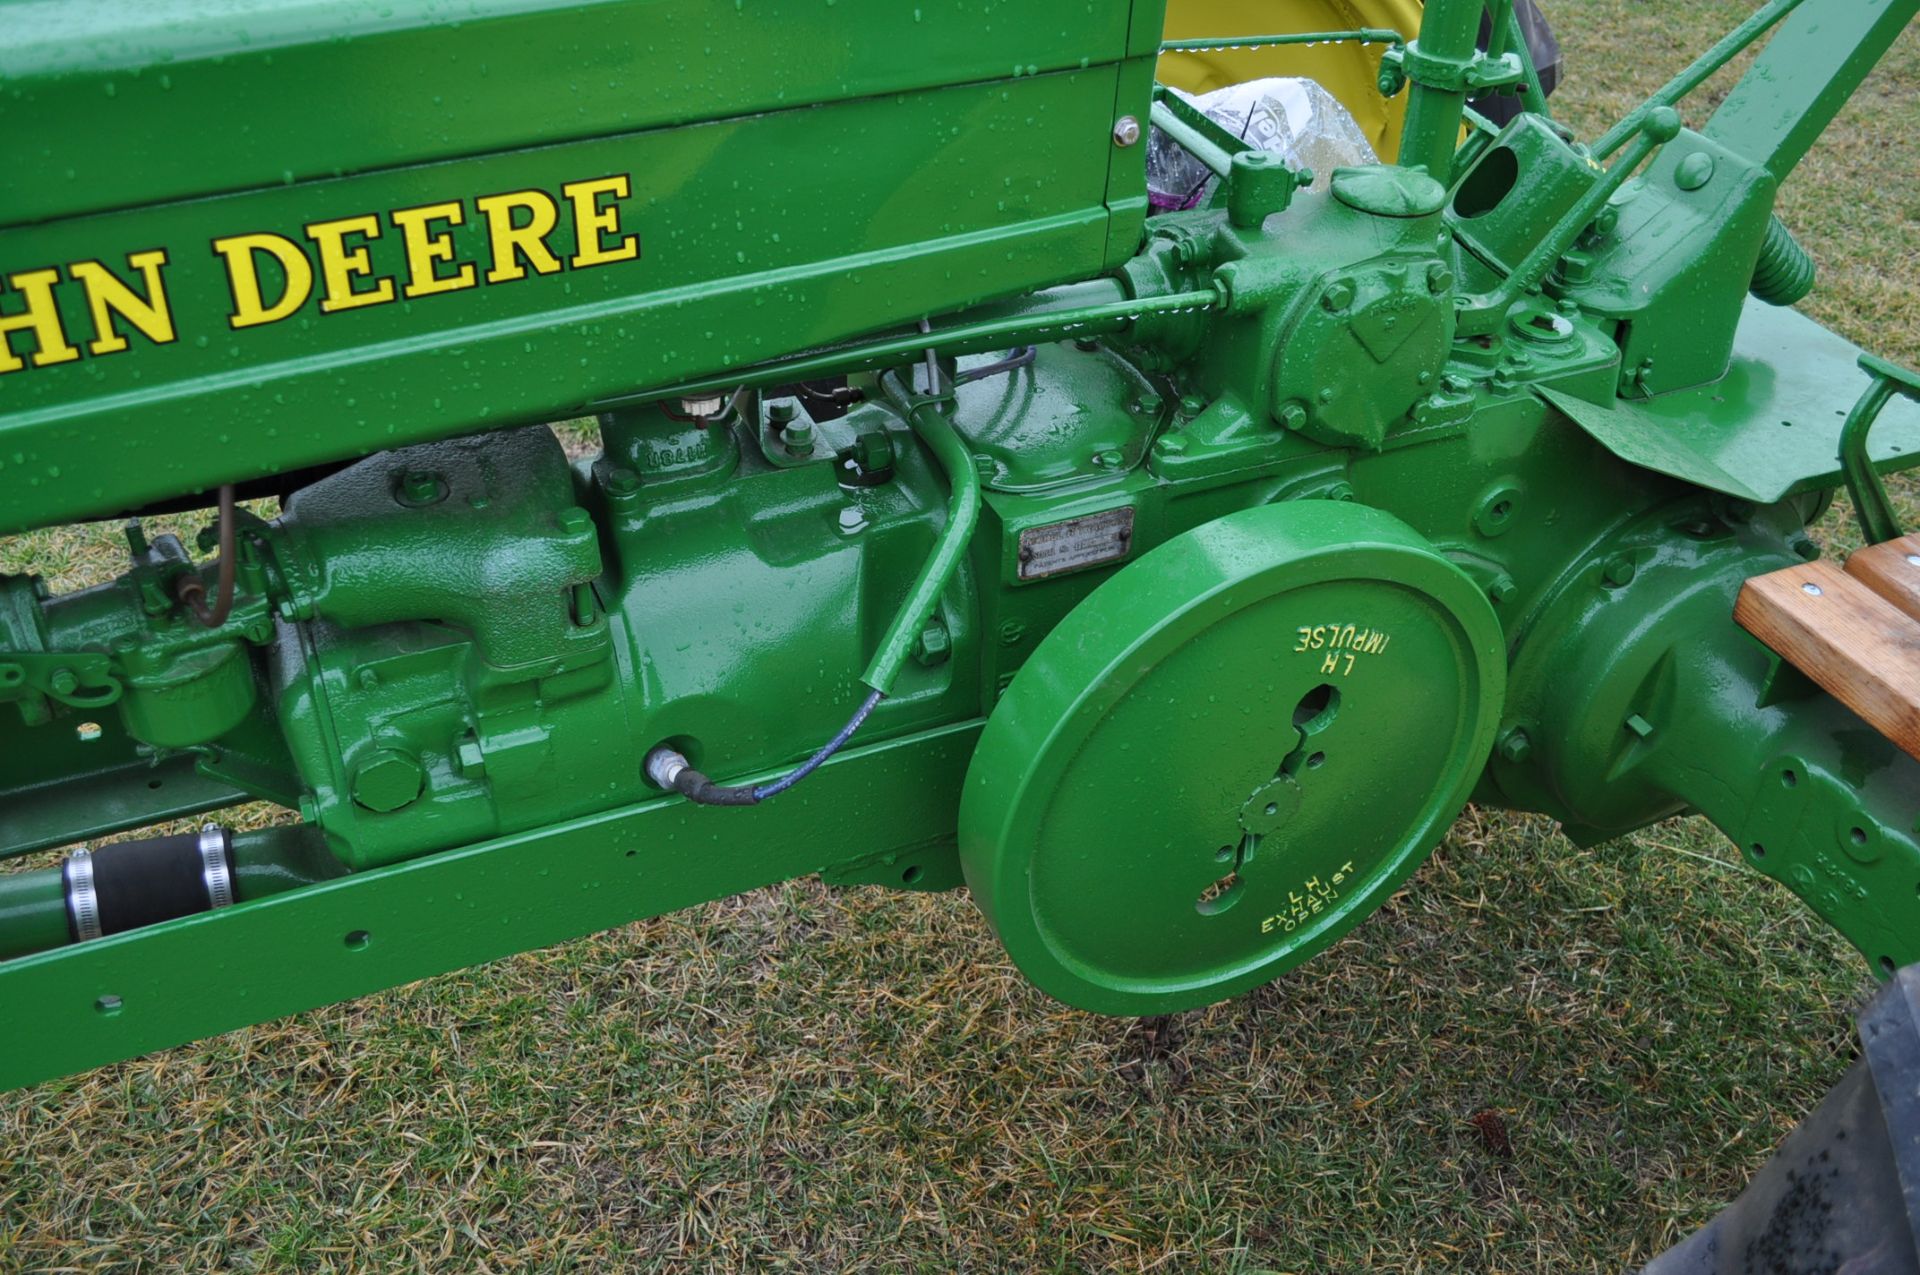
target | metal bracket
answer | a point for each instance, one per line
(1878, 522)
(82, 679)
(1408, 62)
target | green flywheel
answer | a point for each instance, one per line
(1229, 754)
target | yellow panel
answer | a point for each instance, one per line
(1349, 71)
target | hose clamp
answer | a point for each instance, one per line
(83, 903)
(215, 869)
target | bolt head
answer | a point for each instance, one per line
(386, 781)
(422, 487)
(1515, 746)
(1695, 171)
(1126, 131)
(934, 645)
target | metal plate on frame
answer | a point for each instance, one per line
(1087, 541)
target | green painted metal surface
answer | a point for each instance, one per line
(377, 929)
(1767, 430)
(1501, 440)
(1180, 756)
(380, 291)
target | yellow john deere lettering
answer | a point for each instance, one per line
(271, 276)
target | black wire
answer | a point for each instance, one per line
(1015, 360)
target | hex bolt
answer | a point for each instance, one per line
(422, 487)
(1338, 296)
(779, 414)
(1293, 416)
(1619, 571)
(63, 681)
(1501, 589)
(1439, 278)
(934, 644)
(1126, 131)
(1515, 745)
(622, 481)
(798, 438)
(387, 781)
(574, 521)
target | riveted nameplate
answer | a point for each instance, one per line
(1086, 541)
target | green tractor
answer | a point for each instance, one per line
(1170, 573)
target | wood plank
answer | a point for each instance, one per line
(1857, 646)
(1891, 570)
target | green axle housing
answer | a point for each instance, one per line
(1172, 581)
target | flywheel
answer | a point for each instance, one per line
(1229, 754)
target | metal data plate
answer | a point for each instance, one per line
(1086, 541)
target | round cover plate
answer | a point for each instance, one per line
(1228, 754)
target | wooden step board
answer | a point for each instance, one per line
(1856, 632)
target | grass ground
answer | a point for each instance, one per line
(821, 1080)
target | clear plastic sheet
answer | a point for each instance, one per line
(1294, 118)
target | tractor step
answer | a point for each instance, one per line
(1855, 633)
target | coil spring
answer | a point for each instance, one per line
(1784, 272)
